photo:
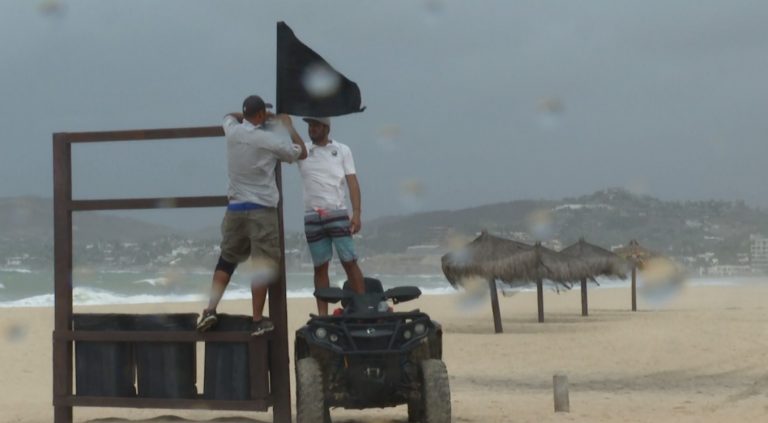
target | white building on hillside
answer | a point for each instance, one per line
(758, 252)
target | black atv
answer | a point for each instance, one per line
(368, 356)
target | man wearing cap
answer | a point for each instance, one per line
(250, 225)
(327, 172)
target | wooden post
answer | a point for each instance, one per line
(495, 306)
(540, 298)
(62, 245)
(584, 307)
(280, 375)
(278, 312)
(634, 288)
(560, 387)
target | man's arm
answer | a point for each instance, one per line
(354, 197)
(238, 116)
(295, 137)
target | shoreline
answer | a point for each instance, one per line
(88, 296)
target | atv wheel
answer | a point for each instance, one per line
(415, 411)
(310, 400)
(435, 392)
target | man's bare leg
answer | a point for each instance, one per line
(258, 299)
(354, 276)
(322, 281)
(218, 285)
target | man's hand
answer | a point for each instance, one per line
(285, 120)
(354, 224)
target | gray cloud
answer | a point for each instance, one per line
(666, 97)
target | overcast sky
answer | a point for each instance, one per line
(468, 102)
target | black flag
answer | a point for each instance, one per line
(307, 85)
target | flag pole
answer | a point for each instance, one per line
(281, 384)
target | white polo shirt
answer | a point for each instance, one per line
(324, 173)
(252, 154)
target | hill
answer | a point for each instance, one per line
(607, 217)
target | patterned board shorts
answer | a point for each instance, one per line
(251, 233)
(328, 229)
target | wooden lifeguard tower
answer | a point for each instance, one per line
(267, 355)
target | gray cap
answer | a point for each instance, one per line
(324, 120)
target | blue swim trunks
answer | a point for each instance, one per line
(325, 229)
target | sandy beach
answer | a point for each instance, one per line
(702, 357)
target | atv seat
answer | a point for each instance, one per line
(374, 294)
(372, 285)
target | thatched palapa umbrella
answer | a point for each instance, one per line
(486, 256)
(600, 262)
(511, 262)
(638, 256)
(482, 258)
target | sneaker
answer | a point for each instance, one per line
(262, 326)
(207, 320)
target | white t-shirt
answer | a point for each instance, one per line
(252, 154)
(324, 173)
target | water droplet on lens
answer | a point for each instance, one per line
(321, 81)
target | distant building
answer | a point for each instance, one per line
(758, 252)
(728, 270)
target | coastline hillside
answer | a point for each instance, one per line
(608, 217)
(714, 231)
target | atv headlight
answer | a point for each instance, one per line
(321, 333)
(419, 328)
(407, 334)
(333, 337)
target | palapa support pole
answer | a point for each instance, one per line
(560, 388)
(540, 298)
(584, 307)
(634, 288)
(495, 306)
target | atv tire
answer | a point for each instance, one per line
(310, 399)
(435, 393)
(415, 411)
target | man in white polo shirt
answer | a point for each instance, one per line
(250, 226)
(327, 173)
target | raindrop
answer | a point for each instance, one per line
(434, 7)
(457, 241)
(15, 333)
(387, 137)
(660, 281)
(550, 111)
(262, 272)
(167, 203)
(320, 80)
(474, 294)
(540, 224)
(412, 193)
(53, 8)
(638, 186)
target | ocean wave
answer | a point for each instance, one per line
(161, 281)
(15, 270)
(82, 296)
(86, 295)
